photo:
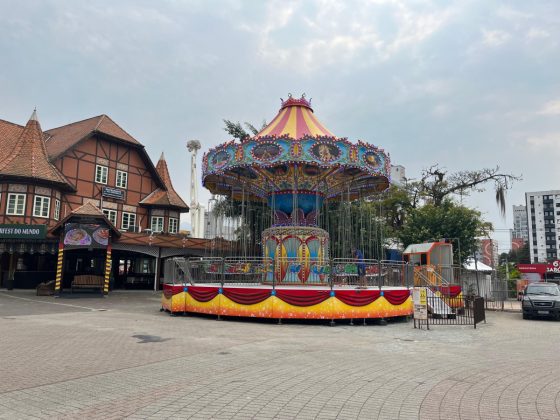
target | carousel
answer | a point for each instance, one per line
(304, 203)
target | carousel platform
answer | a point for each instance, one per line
(288, 302)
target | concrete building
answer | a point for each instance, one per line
(398, 175)
(520, 226)
(543, 216)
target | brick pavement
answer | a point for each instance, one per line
(79, 358)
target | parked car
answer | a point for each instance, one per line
(541, 299)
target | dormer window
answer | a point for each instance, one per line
(157, 224)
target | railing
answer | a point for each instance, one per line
(336, 272)
(458, 310)
(247, 271)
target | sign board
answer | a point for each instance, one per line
(23, 231)
(541, 269)
(79, 235)
(112, 193)
(420, 301)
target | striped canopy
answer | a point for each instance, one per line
(296, 120)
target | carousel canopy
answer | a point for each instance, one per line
(295, 155)
(296, 120)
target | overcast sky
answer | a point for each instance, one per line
(466, 84)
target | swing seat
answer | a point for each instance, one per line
(350, 269)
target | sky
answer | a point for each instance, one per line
(465, 84)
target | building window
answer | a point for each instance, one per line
(101, 174)
(56, 209)
(157, 224)
(16, 204)
(128, 220)
(41, 206)
(111, 215)
(173, 225)
(122, 179)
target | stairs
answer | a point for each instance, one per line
(428, 277)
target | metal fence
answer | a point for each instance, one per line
(446, 310)
(337, 272)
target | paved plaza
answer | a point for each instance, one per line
(119, 357)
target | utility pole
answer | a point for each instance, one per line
(476, 272)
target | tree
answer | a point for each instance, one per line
(237, 131)
(436, 184)
(396, 203)
(448, 220)
(521, 255)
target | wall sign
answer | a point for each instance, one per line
(23, 231)
(80, 235)
(420, 301)
(112, 193)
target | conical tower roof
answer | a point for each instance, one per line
(167, 197)
(28, 160)
(296, 120)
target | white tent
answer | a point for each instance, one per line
(480, 266)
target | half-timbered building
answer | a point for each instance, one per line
(85, 199)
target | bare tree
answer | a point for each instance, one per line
(436, 184)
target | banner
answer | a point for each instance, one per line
(77, 235)
(23, 231)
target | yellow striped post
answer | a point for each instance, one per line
(60, 259)
(107, 270)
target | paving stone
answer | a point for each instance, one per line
(73, 362)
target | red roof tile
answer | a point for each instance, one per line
(60, 139)
(167, 197)
(9, 134)
(28, 158)
(88, 210)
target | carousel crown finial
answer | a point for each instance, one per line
(291, 101)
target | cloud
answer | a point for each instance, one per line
(537, 33)
(441, 110)
(550, 108)
(549, 142)
(335, 33)
(494, 38)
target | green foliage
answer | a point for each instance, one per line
(448, 220)
(396, 203)
(357, 224)
(509, 268)
(520, 256)
(237, 131)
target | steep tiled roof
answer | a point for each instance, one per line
(167, 197)
(9, 134)
(87, 210)
(63, 138)
(27, 157)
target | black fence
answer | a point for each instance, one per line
(446, 310)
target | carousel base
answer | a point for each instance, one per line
(288, 302)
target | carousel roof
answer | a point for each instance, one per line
(296, 120)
